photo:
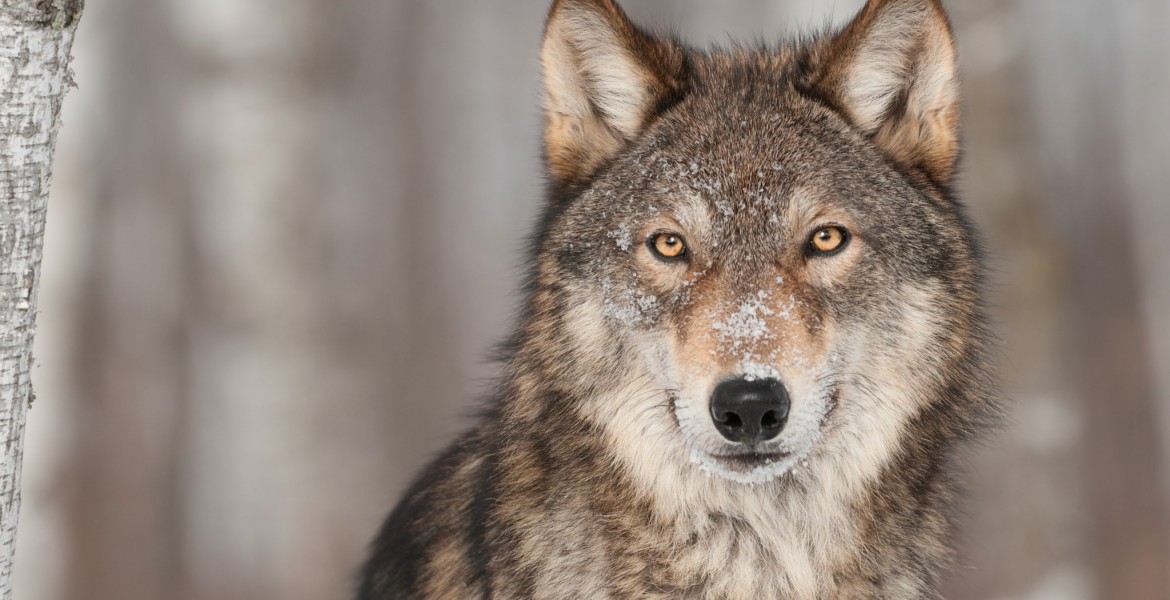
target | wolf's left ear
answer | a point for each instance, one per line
(893, 72)
(604, 81)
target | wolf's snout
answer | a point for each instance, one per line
(750, 411)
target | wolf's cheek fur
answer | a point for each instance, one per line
(874, 408)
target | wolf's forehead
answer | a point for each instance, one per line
(736, 186)
(763, 139)
(756, 159)
(776, 163)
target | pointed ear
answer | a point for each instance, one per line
(604, 81)
(893, 72)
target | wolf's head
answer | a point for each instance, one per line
(752, 258)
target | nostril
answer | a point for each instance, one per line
(732, 420)
(770, 420)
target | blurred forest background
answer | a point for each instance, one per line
(285, 233)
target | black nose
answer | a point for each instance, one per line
(750, 411)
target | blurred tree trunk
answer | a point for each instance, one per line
(243, 323)
(1081, 107)
(129, 379)
(35, 43)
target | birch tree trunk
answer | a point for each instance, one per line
(35, 40)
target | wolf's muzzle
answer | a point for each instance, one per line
(750, 412)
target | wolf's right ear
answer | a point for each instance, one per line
(893, 73)
(604, 81)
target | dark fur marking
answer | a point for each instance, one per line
(479, 515)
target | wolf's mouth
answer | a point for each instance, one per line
(751, 460)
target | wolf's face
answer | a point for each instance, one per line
(754, 254)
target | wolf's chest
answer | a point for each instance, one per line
(724, 558)
(735, 562)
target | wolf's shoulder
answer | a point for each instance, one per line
(436, 527)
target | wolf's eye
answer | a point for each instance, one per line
(667, 246)
(828, 240)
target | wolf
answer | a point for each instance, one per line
(753, 344)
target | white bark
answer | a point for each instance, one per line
(35, 40)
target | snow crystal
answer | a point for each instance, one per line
(747, 324)
(622, 237)
(753, 371)
(627, 306)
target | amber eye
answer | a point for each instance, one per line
(828, 240)
(667, 246)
